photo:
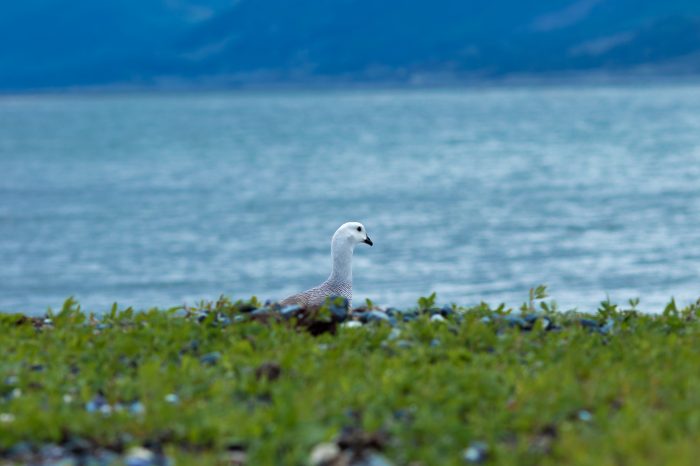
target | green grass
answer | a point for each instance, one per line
(574, 396)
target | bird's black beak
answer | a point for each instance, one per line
(368, 241)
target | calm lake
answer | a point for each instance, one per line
(159, 200)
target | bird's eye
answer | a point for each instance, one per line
(359, 228)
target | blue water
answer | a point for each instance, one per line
(159, 200)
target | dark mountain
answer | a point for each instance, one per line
(46, 43)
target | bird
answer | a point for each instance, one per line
(339, 283)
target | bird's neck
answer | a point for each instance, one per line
(341, 252)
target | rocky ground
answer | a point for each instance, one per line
(247, 383)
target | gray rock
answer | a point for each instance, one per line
(476, 452)
(289, 311)
(375, 316)
(210, 359)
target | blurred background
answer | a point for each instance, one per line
(161, 152)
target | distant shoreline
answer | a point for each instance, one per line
(244, 83)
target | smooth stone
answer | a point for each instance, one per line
(394, 334)
(94, 405)
(375, 316)
(225, 321)
(392, 310)
(514, 321)
(324, 454)
(210, 358)
(476, 452)
(608, 327)
(588, 323)
(339, 313)
(289, 311)
(374, 459)
(137, 408)
(139, 456)
(352, 324)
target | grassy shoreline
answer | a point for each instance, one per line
(236, 383)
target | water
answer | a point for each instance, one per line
(476, 194)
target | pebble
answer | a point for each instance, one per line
(375, 316)
(588, 323)
(374, 459)
(608, 327)
(477, 452)
(352, 324)
(339, 308)
(289, 311)
(394, 334)
(324, 454)
(137, 408)
(12, 380)
(139, 456)
(585, 416)
(96, 404)
(210, 359)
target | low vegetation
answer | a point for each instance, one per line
(243, 383)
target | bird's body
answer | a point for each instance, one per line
(339, 283)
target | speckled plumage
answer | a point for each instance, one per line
(317, 295)
(339, 283)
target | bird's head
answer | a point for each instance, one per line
(352, 232)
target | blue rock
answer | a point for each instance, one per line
(476, 452)
(585, 416)
(225, 321)
(515, 321)
(96, 404)
(137, 408)
(352, 324)
(608, 327)
(339, 308)
(375, 316)
(210, 358)
(589, 324)
(394, 334)
(289, 311)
